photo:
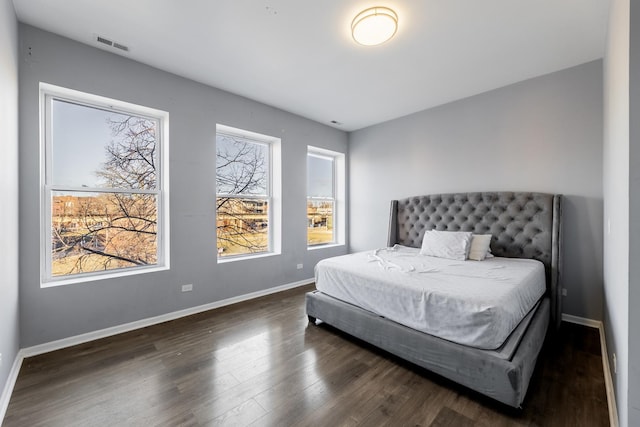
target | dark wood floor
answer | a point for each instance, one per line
(260, 363)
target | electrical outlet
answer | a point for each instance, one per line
(564, 292)
(615, 364)
(0, 359)
(187, 288)
(299, 266)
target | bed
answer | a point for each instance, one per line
(525, 231)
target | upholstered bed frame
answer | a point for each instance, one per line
(523, 225)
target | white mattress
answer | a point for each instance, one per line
(475, 303)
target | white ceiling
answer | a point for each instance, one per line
(298, 55)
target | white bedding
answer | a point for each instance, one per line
(475, 303)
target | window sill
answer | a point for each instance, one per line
(327, 246)
(95, 277)
(246, 257)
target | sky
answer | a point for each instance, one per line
(80, 135)
(237, 172)
(319, 176)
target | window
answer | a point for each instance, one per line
(246, 209)
(325, 195)
(103, 187)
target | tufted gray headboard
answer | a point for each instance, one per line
(523, 225)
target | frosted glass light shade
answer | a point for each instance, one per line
(374, 26)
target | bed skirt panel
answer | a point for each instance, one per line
(480, 370)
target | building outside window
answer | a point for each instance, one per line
(245, 208)
(104, 177)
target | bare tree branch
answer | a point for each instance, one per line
(113, 230)
(241, 170)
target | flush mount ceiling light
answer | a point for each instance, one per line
(374, 26)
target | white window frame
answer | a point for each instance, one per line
(48, 93)
(273, 196)
(339, 195)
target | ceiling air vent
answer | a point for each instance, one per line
(120, 46)
(105, 41)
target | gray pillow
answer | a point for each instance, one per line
(479, 246)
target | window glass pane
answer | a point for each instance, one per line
(242, 226)
(320, 216)
(102, 231)
(319, 176)
(242, 167)
(99, 148)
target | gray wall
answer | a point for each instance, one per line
(616, 202)
(52, 313)
(9, 327)
(543, 134)
(634, 217)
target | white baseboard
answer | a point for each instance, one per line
(103, 333)
(11, 382)
(608, 381)
(581, 321)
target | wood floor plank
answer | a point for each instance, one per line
(333, 411)
(364, 399)
(243, 414)
(447, 417)
(292, 410)
(260, 363)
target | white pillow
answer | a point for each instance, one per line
(446, 244)
(479, 246)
